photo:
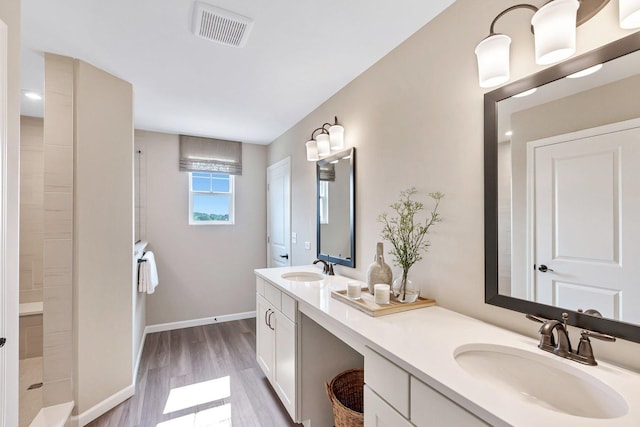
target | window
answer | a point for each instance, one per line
(211, 198)
(324, 202)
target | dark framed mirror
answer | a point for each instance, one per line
(562, 201)
(336, 208)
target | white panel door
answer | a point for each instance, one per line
(586, 221)
(279, 214)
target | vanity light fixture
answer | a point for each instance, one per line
(329, 139)
(585, 72)
(33, 95)
(554, 28)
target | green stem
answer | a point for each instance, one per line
(403, 286)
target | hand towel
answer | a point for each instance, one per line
(148, 273)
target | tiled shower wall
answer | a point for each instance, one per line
(31, 231)
(31, 208)
(58, 226)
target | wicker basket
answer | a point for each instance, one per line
(345, 392)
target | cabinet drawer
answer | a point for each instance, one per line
(289, 307)
(388, 380)
(273, 295)
(430, 408)
(259, 286)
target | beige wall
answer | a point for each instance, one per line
(204, 270)
(31, 208)
(103, 235)
(416, 118)
(10, 15)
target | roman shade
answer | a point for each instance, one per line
(327, 172)
(210, 155)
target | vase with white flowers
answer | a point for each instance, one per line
(407, 233)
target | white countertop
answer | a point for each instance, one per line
(423, 342)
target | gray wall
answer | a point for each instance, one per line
(416, 118)
(204, 270)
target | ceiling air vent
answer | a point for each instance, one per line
(221, 26)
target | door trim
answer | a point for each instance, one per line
(284, 162)
(556, 139)
(5, 320)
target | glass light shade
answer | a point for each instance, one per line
(312, 151)
(554, 26)
(629, 14)
(585, 72)
(324, 147)
(336, 137)
(493, 60)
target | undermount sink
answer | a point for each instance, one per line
(303, 276)
(541, 380)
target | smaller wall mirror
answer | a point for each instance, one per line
(336, 195)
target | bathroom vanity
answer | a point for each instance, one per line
(429, 366)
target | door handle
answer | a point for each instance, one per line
(285, 256)
(3, 341)
(266, 322)
(543, 268)
(269, 321)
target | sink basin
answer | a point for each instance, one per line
(303, 276)
(541, 380)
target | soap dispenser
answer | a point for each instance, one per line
(378, 271)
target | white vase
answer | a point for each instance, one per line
(379, 271)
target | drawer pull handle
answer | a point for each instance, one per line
(269, 321)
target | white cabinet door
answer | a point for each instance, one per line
(284, 375)
(265, 352)
(377, 413)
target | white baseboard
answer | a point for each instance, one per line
(109, 403)
(161, 327)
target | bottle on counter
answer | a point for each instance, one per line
(379, 271)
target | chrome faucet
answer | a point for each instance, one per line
(327, 267)
(559, 343)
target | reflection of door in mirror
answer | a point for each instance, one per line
(586, 191)
(564, 107)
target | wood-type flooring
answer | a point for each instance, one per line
(195, 356)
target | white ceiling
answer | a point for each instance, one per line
(299, 54)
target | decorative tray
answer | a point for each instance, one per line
(367, 305)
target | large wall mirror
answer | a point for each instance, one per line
(562, 192)
(336, 189)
